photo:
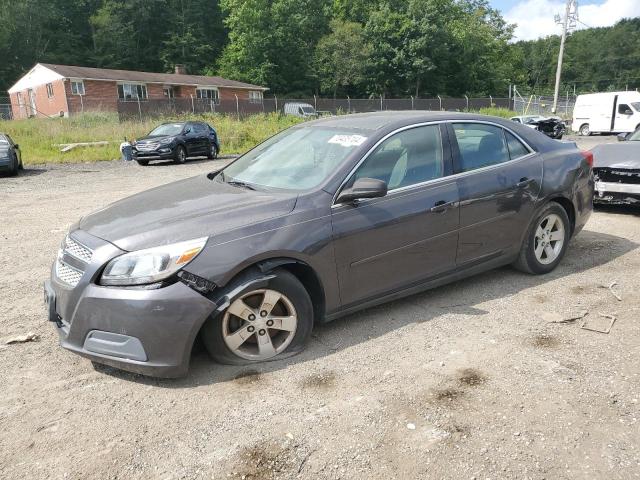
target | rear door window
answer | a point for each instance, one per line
(516, 148)
(480, 145)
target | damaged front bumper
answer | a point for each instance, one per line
(146, 331)
(617, 187)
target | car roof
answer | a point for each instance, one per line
(380, 120)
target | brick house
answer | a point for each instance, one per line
(62, 90)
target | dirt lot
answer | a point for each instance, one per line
(466, 381)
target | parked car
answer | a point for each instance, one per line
(302, 110)
(610, 112)
(10, 156)
(616, 167)
(323, 219)
(177, 141)
(553, 127)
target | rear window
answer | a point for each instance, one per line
(516, 148)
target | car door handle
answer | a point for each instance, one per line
(524, 181)
(442, 206)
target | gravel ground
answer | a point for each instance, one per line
(466, 381)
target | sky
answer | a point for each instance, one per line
(534, 18)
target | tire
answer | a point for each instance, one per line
(213, 152)
(143, 163)
(16, 166)
(181, 155)
(584, 130)
(218, 333)
(533, 261)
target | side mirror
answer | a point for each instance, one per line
(622, 137)
(628, 111)
(363, 188)
(187, 130)
(17, 147)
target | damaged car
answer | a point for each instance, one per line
(553, 127)
(617, 170)
(324, 219)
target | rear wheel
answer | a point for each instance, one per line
(546, 241)
(263, 324)
(584, 130)
(213, 152)
(181, 154)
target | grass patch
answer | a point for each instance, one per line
(498, 112)
(38, 137)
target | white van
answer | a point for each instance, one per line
(298, 109)
(611, 112)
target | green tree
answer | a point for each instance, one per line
(341, 57)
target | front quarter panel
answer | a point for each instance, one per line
(303, 235)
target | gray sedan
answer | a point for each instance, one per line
(10, 156)
(323, 219)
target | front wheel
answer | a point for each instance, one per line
(181, 154)
(546, 241)
(584, 130)
(263, 324)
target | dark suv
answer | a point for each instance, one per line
(177, 141)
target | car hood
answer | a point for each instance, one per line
(154, 139)
(184, 210)
(624, 155)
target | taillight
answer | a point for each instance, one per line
(588, 156)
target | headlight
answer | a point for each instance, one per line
(166, 141)
(151, 265)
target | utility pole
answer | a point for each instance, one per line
(568, 23)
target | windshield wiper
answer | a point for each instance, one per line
(236, 183)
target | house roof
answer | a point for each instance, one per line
(88, 73)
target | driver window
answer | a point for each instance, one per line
(407, 158)
(624, 109)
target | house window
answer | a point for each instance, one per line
(132, 91)
(49, 90)
(77, 87)
(255, 97)
(208, 93)
(20, 99)
(169, 92)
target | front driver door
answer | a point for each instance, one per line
(499, 180)
(390, 243)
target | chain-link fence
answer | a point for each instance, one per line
(141, 109)
(5, 109)
(543, 105)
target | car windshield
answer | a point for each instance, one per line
(296, 159)
(636, 106)
(307, 109)
(4, 141)
(167, 129)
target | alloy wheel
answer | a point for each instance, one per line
(549, 239)
(259, 324)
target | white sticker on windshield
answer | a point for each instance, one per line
(348, 140)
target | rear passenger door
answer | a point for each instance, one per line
(498, 179)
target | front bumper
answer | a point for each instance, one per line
(150, 332)
(153, 154)
(617, 193)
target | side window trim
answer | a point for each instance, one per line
(446, 157)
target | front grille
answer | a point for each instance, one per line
(67, 274)
(77, 250)
(72, 252)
